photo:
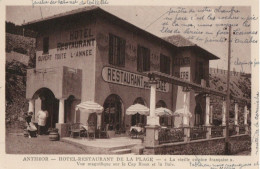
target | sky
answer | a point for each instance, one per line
(150, 18)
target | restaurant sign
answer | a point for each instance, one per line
(126, 78)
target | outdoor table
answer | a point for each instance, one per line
(138, 129)
(77, 131)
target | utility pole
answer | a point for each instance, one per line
(227, 142)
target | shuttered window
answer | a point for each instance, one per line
(143, 59)
(45, 45)
(116, 51)
(165, 64)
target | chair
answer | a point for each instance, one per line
(77, 129)
(133, 133)
(91, 132)
(102, 133)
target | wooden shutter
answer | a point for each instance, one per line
(168, 65)
(110, 49)
(139, 59)
(122, 53)
(161, 63)
(147, 60)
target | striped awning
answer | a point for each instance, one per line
(89, 107)
(138, 108)
(162, 111)
(182, 112)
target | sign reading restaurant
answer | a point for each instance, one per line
(126, 78)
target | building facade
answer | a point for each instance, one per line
(92, 55)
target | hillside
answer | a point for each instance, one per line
(20, 55)
(22, 46)
(240, 86)
(15, 86)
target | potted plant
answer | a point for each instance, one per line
(53, 134)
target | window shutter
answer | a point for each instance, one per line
(139, 63)
(168, 63)
(115, 51)
(122, 52)
(161, 63)
(110, 49)
(46, 45)
(148, 60)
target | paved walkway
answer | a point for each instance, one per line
(16, 143)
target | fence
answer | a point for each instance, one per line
(171, 135)
(197, 133)
(217, 131)
(224, 72)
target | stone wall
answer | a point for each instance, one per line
(214, 146)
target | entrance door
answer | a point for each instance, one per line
(112, 115)
(51, 104)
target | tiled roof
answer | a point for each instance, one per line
(179, 41)
(76, 11)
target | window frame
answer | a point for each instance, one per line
(143, 59)
(165, 64)
(45, 45)
(117, 50)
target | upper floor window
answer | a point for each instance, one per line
(165, 64)
(201, 70)
(199, 74)
(46, 45)
(143, 59)
(116, 51)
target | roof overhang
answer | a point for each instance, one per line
(95, 12)
(206, 54)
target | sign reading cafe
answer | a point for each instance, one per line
(126, 78)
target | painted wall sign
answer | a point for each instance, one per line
(102, 41)
(131, 50)
(76, 43)
(126, 78)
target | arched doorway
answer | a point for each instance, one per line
(112, 117)
(164, 121)
(199, 119)
(137, 118)
(50, 103)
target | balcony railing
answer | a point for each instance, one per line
(197, 133)
(173, 135)
(217, 131)
(232, 130)
(242, 129)
(167, 135)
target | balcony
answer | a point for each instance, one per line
(62, 81)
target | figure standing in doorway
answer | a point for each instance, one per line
(42, 117)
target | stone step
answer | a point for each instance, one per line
(130, 154)
(129, 146)
(121, 151)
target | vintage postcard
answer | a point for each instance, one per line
(133, 84)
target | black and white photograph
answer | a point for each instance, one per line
(90, 78)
